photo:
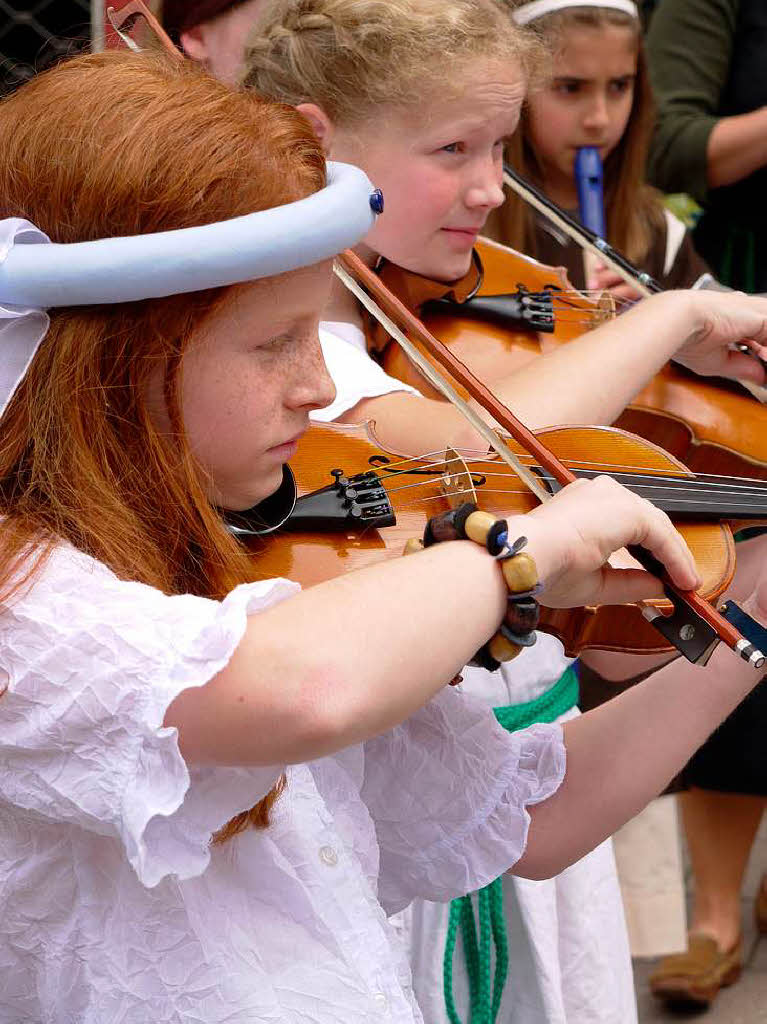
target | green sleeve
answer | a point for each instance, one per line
(689, 47)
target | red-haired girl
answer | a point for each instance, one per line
(212, 784)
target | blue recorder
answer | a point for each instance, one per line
(588, 178)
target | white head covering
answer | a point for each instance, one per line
(539, 8)
(36, 274)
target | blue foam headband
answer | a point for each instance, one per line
(191, 259)
(37, 274)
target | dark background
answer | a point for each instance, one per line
(35, 33)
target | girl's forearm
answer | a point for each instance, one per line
(593, 379)
(737, 146)
(625, 752)
(352, 657)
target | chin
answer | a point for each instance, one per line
(453, 268)
(252, 492)
(443, 266)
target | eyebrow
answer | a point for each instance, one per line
(577, 79)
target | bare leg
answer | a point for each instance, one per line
(720, 830)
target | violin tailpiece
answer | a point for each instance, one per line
(520, 310)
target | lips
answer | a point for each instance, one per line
(475, 230)
(291, 442)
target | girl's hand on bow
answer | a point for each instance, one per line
(722, 320)
(572, 537)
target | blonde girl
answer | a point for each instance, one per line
(423, 94)
(597, 94)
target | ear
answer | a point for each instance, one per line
(320, 122)
(193, 44)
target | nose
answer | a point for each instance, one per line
(597, 117)
(312, 386)
(485, 185)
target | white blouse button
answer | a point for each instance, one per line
(381, 1002)
(328, 856)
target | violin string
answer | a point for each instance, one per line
(473, 456)
(481, 455)
(703, 503)
(501, 492)
(739, 485)
(644, 481)
(721, 483)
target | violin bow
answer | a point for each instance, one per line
(583, 236)
(587, 239)
(693, 618)
(124, 20)
(694, 626)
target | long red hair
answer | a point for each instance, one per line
(119, 144)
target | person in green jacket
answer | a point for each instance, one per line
(709, 76)
(708, 70)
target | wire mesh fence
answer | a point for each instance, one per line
(35, 33)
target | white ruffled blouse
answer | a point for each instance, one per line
(115, 906)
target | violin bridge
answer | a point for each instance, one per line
(456, 483)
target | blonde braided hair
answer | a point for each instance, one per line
(351, 57)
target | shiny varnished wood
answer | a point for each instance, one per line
(491, 349)
(416, 491)
(712, 426)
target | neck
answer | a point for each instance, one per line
(342, 306)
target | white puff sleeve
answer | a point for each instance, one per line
(355, 374)
(92, 664)
(448, 791)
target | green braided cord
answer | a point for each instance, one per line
(477, 950)
(471, 952)
(456, 909)
(548, 707)
(501, 945)
(485, 953)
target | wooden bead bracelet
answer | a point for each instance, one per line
(517, 630)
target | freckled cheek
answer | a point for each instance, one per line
(225, 421)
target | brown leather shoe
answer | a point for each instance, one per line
(695, 977)
(760, 907)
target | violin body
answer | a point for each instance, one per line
(420, 488)
(492, 349)
(711, 426)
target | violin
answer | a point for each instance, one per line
(507, 311)
(374, 500)
(711, 426)
(373, 511)
(708, 423)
